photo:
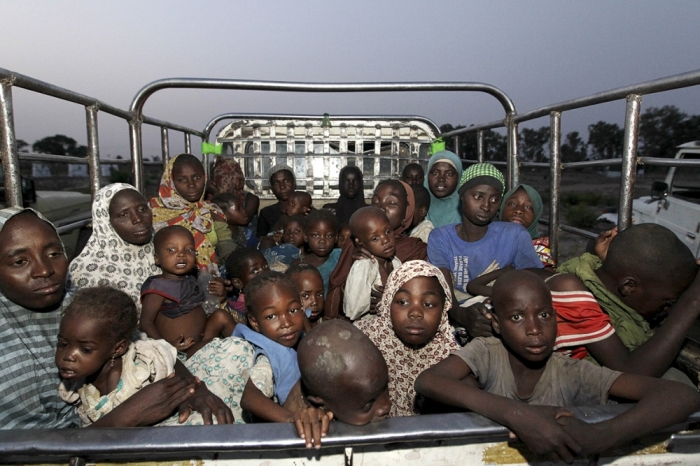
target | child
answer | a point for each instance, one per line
(298, 203)
(276, 321)
(478, 244)
(444, 172)
(100, 368)
(320, 234)
(352, 194)
(282, 184)
(523, 205)
(343, 235)
(411, 329)
(413, 174)
(172, 302)
(371, 229)
(181, 202)
(421, 226)
(236, 217)
(343, 372)
(280, 256)
(518, 371)
(241, 268)
(309, 282)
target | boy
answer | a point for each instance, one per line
(282, 184)
(230, 234)
(344, 373)
(421, 226)
(371, 229)
(647, 271)
(299, 203)
(519, 372)
(413, 174)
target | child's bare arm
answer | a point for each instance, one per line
(536, 426)
(655, 410)
(475, 318)
(255, 402)
(150, 306)
(479, 286)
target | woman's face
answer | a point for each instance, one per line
(33, 265)
(518, 209)
(392, 201)
(442, 179)
(189, 181)
(131, 217)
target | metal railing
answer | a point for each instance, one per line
(8, 143)
(629, 161)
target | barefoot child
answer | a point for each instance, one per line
(310, 285)
(372, 231)
(519, 371)
(344, 373)
(172, 302)
(233, 235)
(411, 329)
(320, 232)
(181, 202)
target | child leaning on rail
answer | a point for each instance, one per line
(519, 381)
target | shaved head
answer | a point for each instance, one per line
(513, 282)
(359, 219)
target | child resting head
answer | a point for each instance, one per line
(244, 265)
(233, 207)
(647, 267)
(411, 329)
(309, 282)
(298, 203)
(371, 229)
(343, 372)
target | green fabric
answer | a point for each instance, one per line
(631, 327)
(537, 206)
(208, 148)
(437, 146)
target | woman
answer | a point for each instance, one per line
(120, 251)
(442, 177)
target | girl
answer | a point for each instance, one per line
(396, 199)
(101, 368)
(172, 301)
(310, 285)
(181, 201)
(443, 175)
(282, 184)
(523, 205)
(120, 251)
(411, 329)
(352, 194)
(320, 233)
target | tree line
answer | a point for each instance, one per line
(661, 130)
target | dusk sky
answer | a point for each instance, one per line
(538, 52)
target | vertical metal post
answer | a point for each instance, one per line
(512, 154)
(93, 153)
(629, 160)
(554, 182)
(188, 144)
(8, 147)
(480, 154)
(164, 146)
(136, 152)
(457, 141)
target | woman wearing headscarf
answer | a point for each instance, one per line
(405, 359)
(352, 194)
(523, 205)
(120, 251)
(443, 175)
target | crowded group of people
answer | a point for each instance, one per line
(437, 294)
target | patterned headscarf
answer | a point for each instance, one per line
(481, 173)
(228, 176)
(109, 260)
(405, 362)
(169, 208)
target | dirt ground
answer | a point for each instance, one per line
(586, 180)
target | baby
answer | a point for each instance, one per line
(520, 380)
(343, 372)
(172, 302)
(372, 231)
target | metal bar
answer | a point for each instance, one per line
(574, 230)
(188, 144)
(629, 161)
(456, 143)
(75, 225)
(8, 146)
(593, 163)
(164, 146)
(554, 182)
(475, 128)
(480, 153)
(93, 152)
(136, 153)
(512, 154)
(661, 162)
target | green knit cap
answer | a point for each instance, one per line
(482, 173)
